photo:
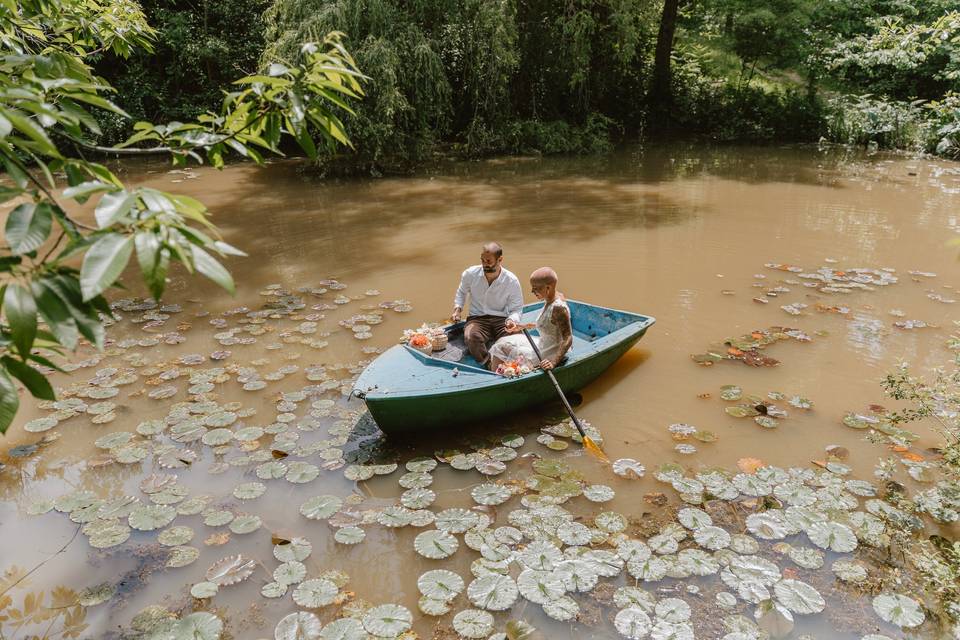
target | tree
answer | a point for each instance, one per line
(660, 94)
(48, 95)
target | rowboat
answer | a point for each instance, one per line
(406, 390)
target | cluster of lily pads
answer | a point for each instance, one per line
(554, 547)
(764, 410)
(747, 348)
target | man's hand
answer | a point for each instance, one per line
(546, 365)
(455, 316)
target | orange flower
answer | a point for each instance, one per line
(419, 340)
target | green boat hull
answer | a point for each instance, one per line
(408, 391)
(406, 414)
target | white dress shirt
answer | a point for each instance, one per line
(502, 297)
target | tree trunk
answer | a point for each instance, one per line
(660, 96)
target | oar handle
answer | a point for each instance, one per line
(556, 385)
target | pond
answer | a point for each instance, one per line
(214, 426)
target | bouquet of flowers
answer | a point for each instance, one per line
(427, 337)
(513, 368)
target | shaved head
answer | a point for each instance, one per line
(494, 248)
(544, 275)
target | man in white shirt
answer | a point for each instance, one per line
(496, 302)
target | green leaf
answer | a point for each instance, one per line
(9, 401)
(5, 127)
(208, 266)
(55, 313)
(20, 178)
(36, 133)
(104, 263)
(21, 312)
(33, 380)
(84, 313)
(28, 227)
(150, 257)
(113, 206)
(9, 193)
(84, 190)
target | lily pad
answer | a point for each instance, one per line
(832, 535)
(297, 549)
(199, 625)
(435, 544)
(632, 623)
(899, 610)
(490, 494)
(150, 517)
(473, 623)
(321, 507)
(349, 535)
(230, 570)
(799, 597)
(301, 625)
(440, 584)
(203, 590)
(314, 593)
(628, 468)
(387, 620)
(175, 536)
(493, 592)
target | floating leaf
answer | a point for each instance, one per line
(199, 625)
(182, 556)
(598, 493)
(899, 610)
(456, 520)
(632, 623)
(321, 507)
(490, 494)
(473, 623)
(440, 584)
(297, 549)
(799, 597)
(349, 535)
(539, 587)
(175, 536)
(563, 608)
(493, 592)
(628, 468)
(230, 570)
(849, 571)
(314, 593)
(203, 590)
(832, 535)
(245, 523)
(435, 544)
(387, 620)
(290, 572)
(249, 490)
(301, 625)
(150, 517)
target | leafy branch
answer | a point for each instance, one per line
(48, 92)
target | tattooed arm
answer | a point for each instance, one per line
(560, 317)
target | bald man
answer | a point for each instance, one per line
(495, 299)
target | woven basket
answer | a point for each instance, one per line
(439, 342)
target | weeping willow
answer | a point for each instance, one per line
(483, 74)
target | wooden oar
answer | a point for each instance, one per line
(588, 443)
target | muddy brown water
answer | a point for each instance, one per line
(664, 233)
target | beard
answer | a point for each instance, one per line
(487, 269)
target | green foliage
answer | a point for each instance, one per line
(200, 47)
(936, 402)
(49, 94)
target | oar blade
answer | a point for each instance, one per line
(594, 449)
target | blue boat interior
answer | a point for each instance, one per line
(589, 324)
